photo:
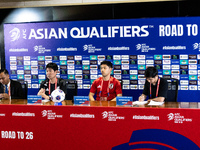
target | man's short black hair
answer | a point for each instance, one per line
(53, 66)
(4, 71)
(108, 63)
(151, 72)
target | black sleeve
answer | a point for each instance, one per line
(146, 88)
(42, 84)
(18, 91)
(1, 88)
(63, 86)
(163, 88)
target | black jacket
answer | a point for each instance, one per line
(16, 89)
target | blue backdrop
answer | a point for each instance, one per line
(172, 45)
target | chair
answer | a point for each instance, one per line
(71, 86)
(24, 88)
(172, 90)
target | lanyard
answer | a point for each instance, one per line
(50, 86)
(102, 87)
(157, 88)
(9, 91)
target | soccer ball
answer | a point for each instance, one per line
(57, 95)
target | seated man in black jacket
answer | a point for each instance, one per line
(52, 82)
(155, 87)
(9, 88)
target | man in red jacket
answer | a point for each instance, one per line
(105, 87)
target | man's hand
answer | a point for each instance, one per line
(4, 96)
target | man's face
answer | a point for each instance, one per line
(105, 70)
(152, 80)
(51, 73)
(4, 78)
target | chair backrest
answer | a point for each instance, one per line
(172, 89)
(24, 88)
(71, 86)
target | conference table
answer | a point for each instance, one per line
(100, 126)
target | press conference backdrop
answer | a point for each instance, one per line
(172, 45)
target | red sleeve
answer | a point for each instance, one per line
(93, 88)
(118, 87)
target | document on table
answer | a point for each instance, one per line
(155, 103)
(139, 102)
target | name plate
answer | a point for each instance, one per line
(81, 100)
(34, 99)
(124, 101)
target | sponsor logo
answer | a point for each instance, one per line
(119, 77)
(166, 67)
(63, 57)
(133, 77)
(126, 87)
(192, 87)
(184, 87)
(93, 67)
(178, 118)
(70, 67)
(141, 57)
(40, 49)
(13, 58)
(144, 47)
(86, 86)
(148, 62)
(166, 62)
(93, 62)
(78, 71)
(93, 71)
(175, 71)
(125, 62)
(78, 57)
(192, 61)
(133, 71)
(93, 76)
(50, 114)
(141, 62)
(125, 67)
(20, 71)
(192, 82)
(117, 71)
(70, 71)
(175, 66)
(90, 48)
(193, 72)
(70, 62)
(183, 56)
(183, 82)
(166, 56)
(111, 116)
(85, 62)
(141, 87)
(14, 34)
(192, 66)
(141, 81)
(133, 87)
(125, 56)
(192, 56)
